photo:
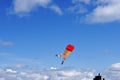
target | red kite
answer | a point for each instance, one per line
(68, 50)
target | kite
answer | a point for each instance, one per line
(69, 48)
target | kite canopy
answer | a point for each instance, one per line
(68, 50)
(70, 47)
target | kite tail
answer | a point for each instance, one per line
(59, 55)
(62, 62)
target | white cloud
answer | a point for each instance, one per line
(116, 66)
(2, 78)
(77, 9)
(53, 68)
(18, 66)
(10, 71)
(93, 11)
(56, 9)
(5, 43)
(78, 6)
(97, 11)
(70, 73)
(23, 7)
(49, 74)
(108, 11)
(111, 73)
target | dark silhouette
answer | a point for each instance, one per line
(99, 77)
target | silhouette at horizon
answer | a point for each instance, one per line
(99, 77)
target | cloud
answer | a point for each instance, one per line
(49, 74)
(107, 11)
(10, 71)
(23, 7)
(5, 43)
(116, 66)
(111, 73)
(79, 6)
(56, 9)
(53, 68)
(91, 11)
(18, 66)
(97, 11)
(77, 9)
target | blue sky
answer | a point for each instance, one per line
(33, 31)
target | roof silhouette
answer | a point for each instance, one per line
(99, 77)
